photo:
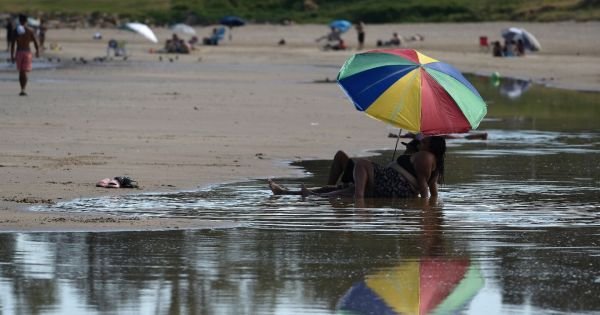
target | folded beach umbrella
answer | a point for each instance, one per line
(425, 286)
(411, 91)
(183, 29)
(141, 29)
(342, 25)
(530, 42)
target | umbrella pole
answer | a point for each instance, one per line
(396, 147)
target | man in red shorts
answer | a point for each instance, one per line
(23, 38)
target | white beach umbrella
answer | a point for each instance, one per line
(183, 29)
(529, 40)
(143, 30)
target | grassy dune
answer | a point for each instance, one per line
(370, 11)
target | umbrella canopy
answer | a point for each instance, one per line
(342, 25)
(530, 42)
(183, 29)
(141, 29)
(426, 286)
(412, 91)
(232, 21)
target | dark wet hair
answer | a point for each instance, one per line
(23, 19)
(437, 146)
(412, 146)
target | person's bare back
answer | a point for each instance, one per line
(23, 41)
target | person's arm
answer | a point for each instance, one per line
(423, 162)
(433, 186)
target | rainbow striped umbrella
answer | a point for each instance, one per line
(412, 91)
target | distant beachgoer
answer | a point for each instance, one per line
(118, 49)
(333, 39)
(10, 33)
(42, 33)
(509, 48)
(520, 48)
(193, 41)
(360, 30)
(497, 49)
(216, 35)
(394, 41)
(20, 51)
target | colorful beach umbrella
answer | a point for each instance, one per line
(412, 91)
(342, 25)
(426, 286)
(141, 29)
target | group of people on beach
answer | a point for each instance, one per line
(417, 172)
(19, 39)
(334, 41)
(177, 45)
(511, 48)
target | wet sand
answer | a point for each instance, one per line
(220, 114)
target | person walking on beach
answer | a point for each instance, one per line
(42, 33)
(360, 30)
(20, 51)
(10, 33)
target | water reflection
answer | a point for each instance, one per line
(513, 88)
(438, 281)
(449, 263)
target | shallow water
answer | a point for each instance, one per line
(516, 231)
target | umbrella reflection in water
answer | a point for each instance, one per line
(431, 284)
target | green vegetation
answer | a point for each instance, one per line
(370, 11)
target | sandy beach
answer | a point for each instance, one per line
(240, 110)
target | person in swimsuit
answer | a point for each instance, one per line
(374, 180)
(340, 181)
(22, 54)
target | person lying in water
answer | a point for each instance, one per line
(342, 174)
